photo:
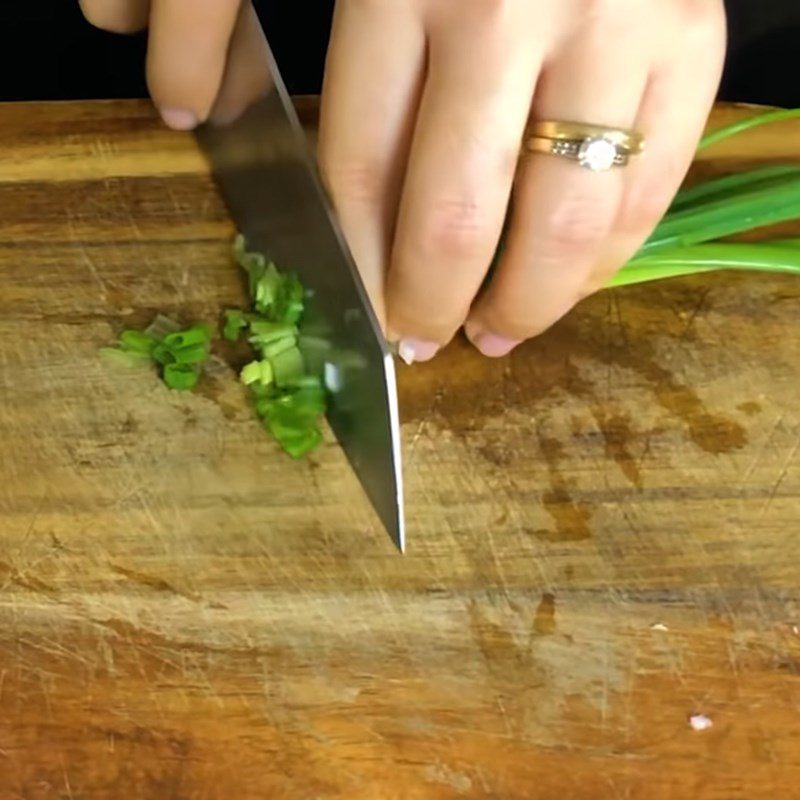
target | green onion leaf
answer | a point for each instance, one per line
(725, 217)
(278, 346)
(137, 342)
(163, 355)
(257, 372)
(296, 442)
(235, 323)
(266, 289)
(289, 300)
(197, 334)
(730, 186)
(125, 358)
(263, 332)
(193, 354)
(181, 377)
(288, 367)
(777, 115)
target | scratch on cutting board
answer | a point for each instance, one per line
(783, 473)
(442, 774)
(153, 582)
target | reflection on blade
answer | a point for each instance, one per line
(263, 166)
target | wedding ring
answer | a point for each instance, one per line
(593, 146)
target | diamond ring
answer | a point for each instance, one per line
(594, 147)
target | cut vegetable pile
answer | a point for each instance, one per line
(179, 354)
(290, 399)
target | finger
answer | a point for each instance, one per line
(372, 84)
(563, 214)
(247, 75)
(674, 112)
(117, 16)
(482, 72)
(186, 56)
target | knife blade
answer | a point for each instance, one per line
(263, 165)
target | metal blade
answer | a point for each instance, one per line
(263, 165)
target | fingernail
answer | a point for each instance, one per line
(414, 351)
(179, 119)
(492, 345)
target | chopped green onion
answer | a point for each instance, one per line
(263, 332)
(125, 358)
(297, 443)
(259, 372)
(137, 342)
(197, 334)
(235, 323)
(193, 354)
(278, 346)
(289, 300)
(163, 355)
(267, 288)
(181, 377)
(179, 353)
(288, 367)
(288, 399)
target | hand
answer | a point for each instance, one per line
(424, 111)
(205, 58)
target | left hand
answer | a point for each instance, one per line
(424, 110)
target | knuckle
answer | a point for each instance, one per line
(457, 231)
(576, 226)
(359, 180)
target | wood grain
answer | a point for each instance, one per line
(603, 528)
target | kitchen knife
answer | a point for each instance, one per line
(264, 168)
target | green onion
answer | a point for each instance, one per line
(288, 366)
(274, 348)
(163, 355)
(731, 185)
(137, 342)
(719, 218)
(296, 441)
(193, 354)
(178, 353)
(690, 238)
(181, 377)
(235, 323)
(197, 334)
(125, 358)
(264, 332)
(287, 398)
(777, 115)
(260, 372)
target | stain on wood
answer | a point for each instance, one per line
(185, 613)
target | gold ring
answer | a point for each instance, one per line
(595, 147)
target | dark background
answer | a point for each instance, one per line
(47, 51)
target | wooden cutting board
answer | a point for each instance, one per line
(603, 528)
